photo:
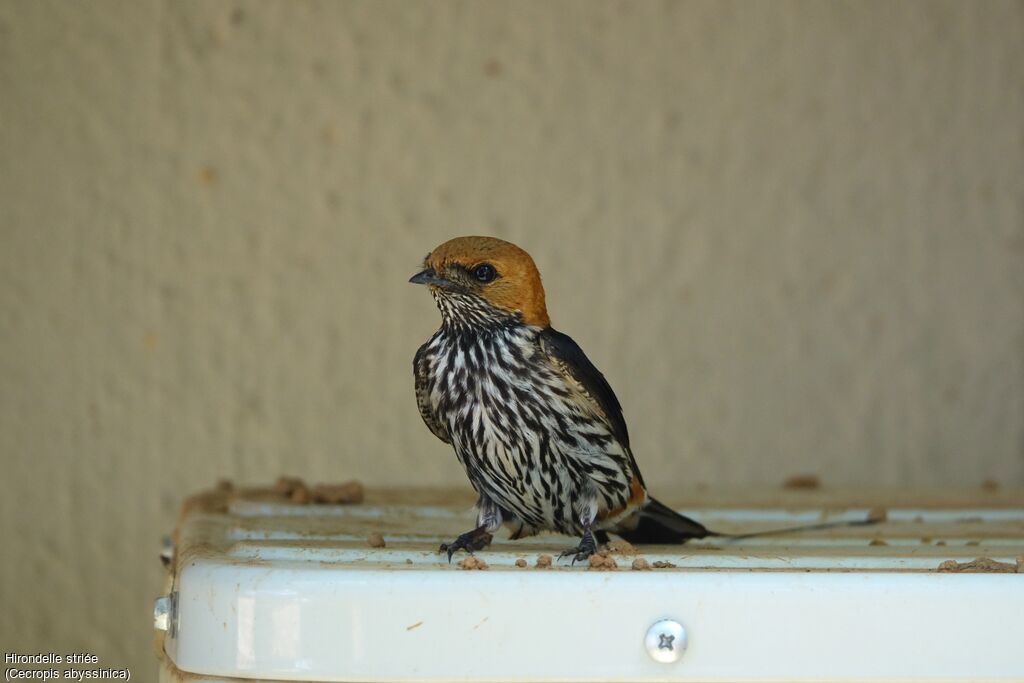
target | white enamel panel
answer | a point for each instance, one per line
(304, 621)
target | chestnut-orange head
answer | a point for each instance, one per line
(499, 272)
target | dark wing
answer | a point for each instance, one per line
(421, 369)
(568, 356)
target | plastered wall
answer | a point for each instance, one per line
(791, 234)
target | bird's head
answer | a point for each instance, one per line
(479, 279)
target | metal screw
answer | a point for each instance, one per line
(162, 613)
(165, 614)
(665, 641)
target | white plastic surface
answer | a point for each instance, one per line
(271, 605)
(311, 623)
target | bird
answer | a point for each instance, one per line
(533, 422)
(536, 426)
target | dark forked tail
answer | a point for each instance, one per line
(658, 523)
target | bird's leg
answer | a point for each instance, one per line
(477, 539)
(586, 548)
(587, 511)
(488, 520)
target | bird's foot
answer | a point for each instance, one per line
(583, 551)
(477, 539)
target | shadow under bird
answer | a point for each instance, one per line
(534, 423)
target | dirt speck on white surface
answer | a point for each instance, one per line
(414, 626)
(292, 488)
(661, 564)
(375, 540)
(805, 482)
(300, 495)
(337, 494)
(877, 541)
(471, 563)
(621, 547)
(296, 490)
(543, 562)
(982, 565)
(285, 485)
(878, 515)
(602, 561)
(520, 563)
(640, 564)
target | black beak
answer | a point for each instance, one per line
(429, 277)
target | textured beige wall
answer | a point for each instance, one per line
(792, 235)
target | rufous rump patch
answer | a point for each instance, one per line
(637, 496)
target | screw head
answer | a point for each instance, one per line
(162, 613)
(665, 641)
(165, 614)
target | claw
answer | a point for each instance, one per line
(477, 539)
(583, 551)
(578, 555)
(450, 548)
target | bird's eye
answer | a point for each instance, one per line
(485, 272)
